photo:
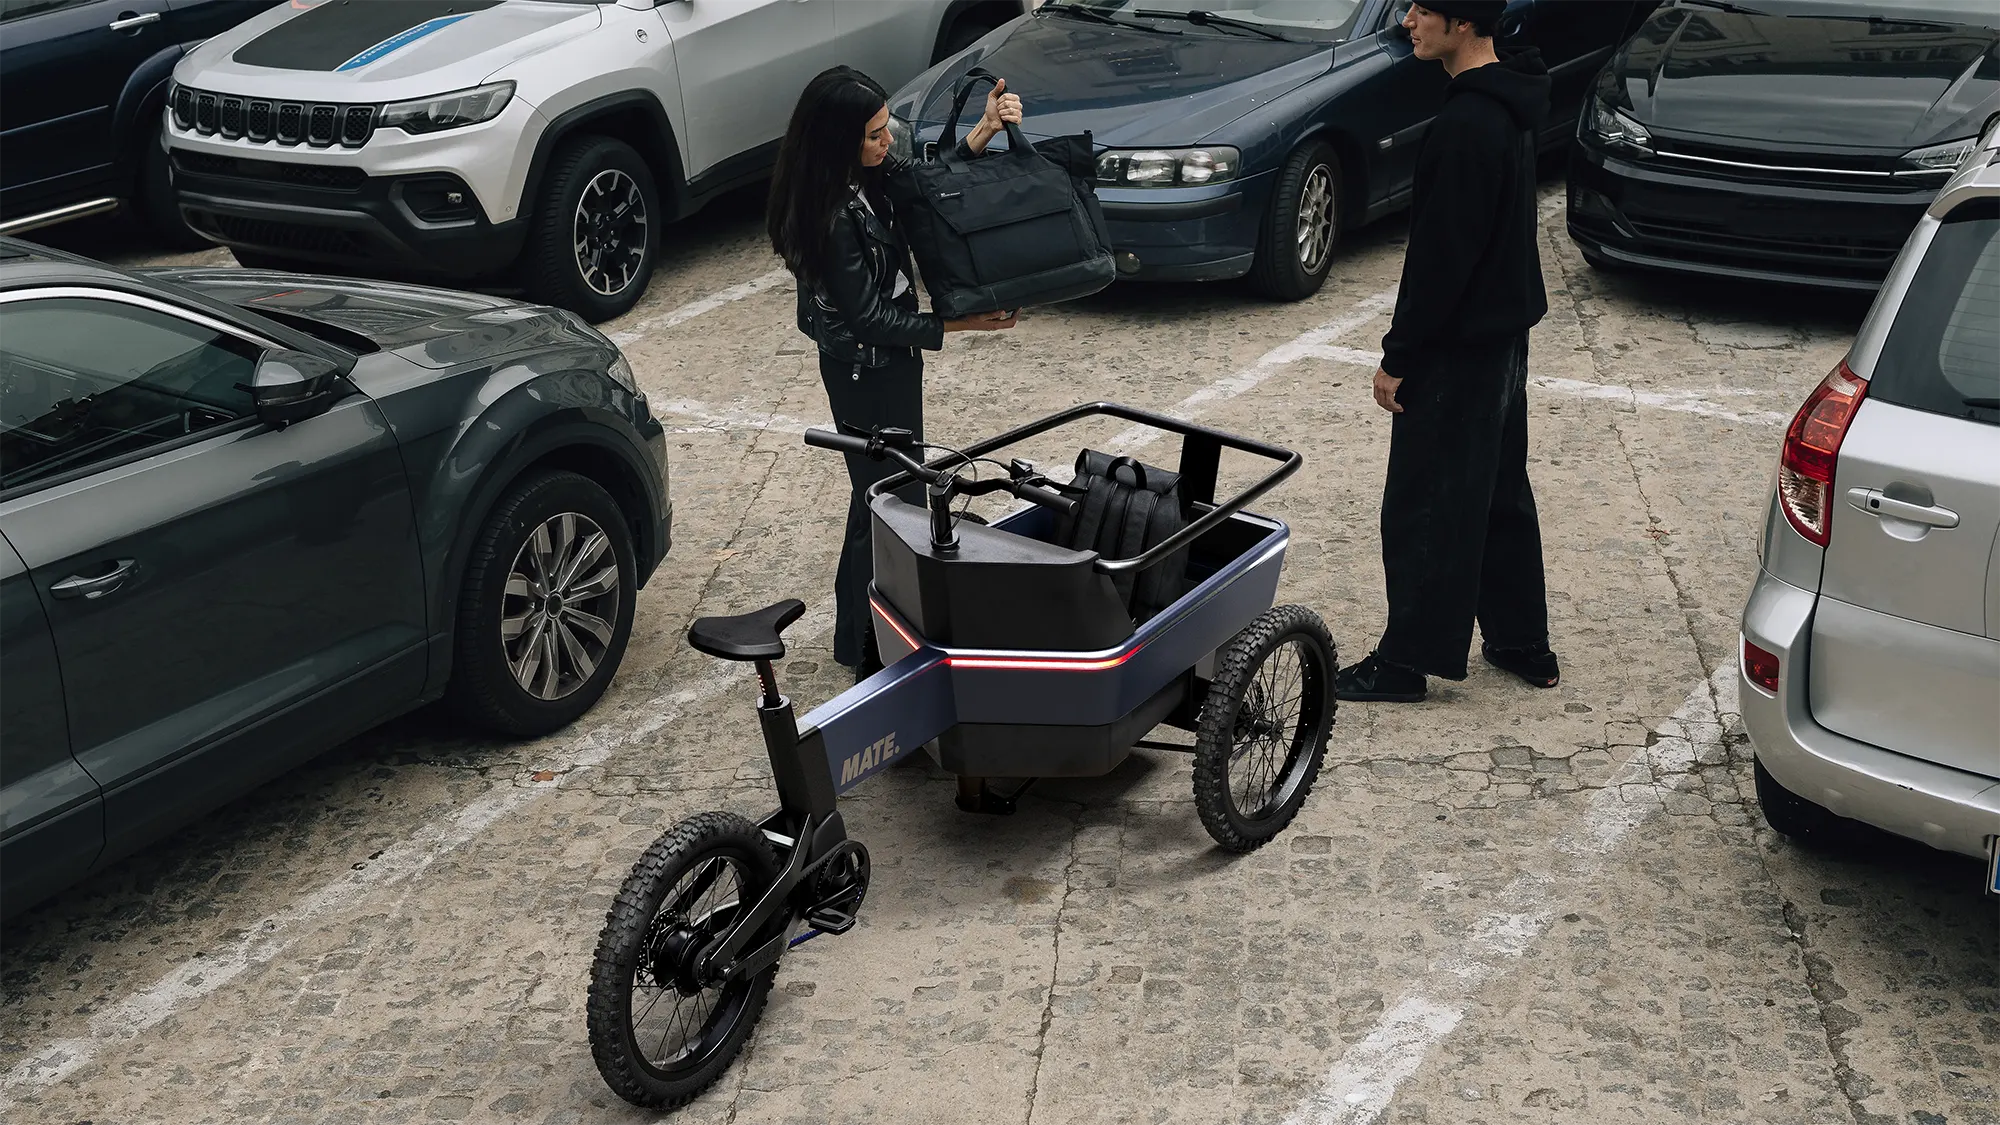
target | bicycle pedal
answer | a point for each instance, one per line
(830, 920)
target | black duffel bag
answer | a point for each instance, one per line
(1009, 229)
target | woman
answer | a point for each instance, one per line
(831, 223)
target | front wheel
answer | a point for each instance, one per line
(661, 1034)
(1301, 227)
(596, 230)
(155, 197)
(1264, 727)
(546, 607)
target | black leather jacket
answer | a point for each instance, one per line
(850, 314)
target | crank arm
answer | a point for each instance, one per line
(817, 835)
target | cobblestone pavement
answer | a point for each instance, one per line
(1499, 906)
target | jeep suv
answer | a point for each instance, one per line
(1871, 641)
(548, 140)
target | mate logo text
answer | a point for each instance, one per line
(879, 751)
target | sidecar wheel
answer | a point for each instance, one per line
(1264, 727)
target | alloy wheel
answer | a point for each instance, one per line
(610, 232)
(1316, 219)
(556, 618)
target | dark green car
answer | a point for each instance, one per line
(248, 515)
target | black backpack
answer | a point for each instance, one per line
(1009, 229)
(1126, 509)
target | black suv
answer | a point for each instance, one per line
(83, 87)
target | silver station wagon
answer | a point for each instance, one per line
(1871, 642)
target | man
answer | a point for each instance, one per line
(1459, 535)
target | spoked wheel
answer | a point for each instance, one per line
(661, 1033)
(1264, 727)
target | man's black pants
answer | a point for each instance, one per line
(871, 398)
(1459, 534)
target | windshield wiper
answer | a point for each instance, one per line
(1202, 18)
(1077, 11)
(1726, 6)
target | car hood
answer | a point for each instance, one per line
(1127, 86)
(378, 51)
(1796, 81)
(432, 327)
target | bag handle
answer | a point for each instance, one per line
(949, 141)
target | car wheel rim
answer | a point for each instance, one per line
(1316, 219)
(558, 614)
(610, 232)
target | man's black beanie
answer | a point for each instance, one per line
(1485, 13)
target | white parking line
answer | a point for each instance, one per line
(1684, 402)
(693, 309)
(1358, 1088)
(271, 936)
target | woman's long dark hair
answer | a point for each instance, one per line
(819, 164)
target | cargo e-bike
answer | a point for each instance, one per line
(1047, 644)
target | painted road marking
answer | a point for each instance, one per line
(1358, 1088)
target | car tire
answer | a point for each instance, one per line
(1301, 229)
(1791, 815)
(526, 661)
(154, 195)
(593, 189)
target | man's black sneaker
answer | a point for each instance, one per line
(1537, 665)
(1375, 680)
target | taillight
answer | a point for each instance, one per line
(1812, 445)
(1760, 667)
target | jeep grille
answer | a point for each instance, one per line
(317, 124)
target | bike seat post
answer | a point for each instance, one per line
(767, 679)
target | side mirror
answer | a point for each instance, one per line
(293, 386)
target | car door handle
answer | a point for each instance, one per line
(77, 586)
(1872, 501)
(126, 21)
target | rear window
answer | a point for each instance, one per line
(1943, 355)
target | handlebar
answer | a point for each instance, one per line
(944, 485)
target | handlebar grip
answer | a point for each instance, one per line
(827, 439)
(1047, 498)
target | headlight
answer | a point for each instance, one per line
(1614, 128)
(902, 139)
(1940, 159)
(1168, 167)
(449, 111)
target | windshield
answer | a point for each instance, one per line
(1312, 19)
(1983, 13)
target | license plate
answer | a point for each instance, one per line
(1993, 865)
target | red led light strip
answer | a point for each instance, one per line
(1008, 663)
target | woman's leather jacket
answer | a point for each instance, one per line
(850, 313)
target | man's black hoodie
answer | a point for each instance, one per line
(1473, 272)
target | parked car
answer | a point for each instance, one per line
(245, 516)
(544, 139)
(1871, 641)
(82, 83)
(1243, 136)
(1792, 141)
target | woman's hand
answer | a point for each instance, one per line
(983, 322)
(1002, 109)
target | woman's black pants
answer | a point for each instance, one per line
(870, 398)
(1459, 535)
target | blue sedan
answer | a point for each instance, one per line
(1241, 137)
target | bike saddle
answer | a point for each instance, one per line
(746, 636)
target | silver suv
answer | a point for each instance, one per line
(1871, 642)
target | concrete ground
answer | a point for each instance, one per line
(1502, 905)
